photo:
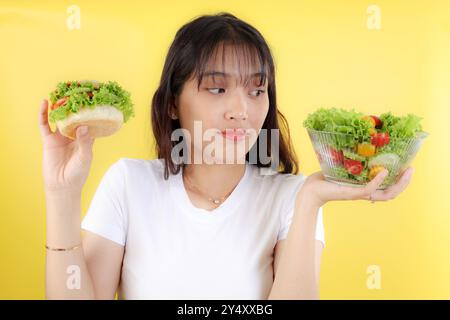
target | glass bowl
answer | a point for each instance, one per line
(345, 160)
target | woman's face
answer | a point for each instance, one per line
(220, 104)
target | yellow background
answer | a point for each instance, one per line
(325, 56)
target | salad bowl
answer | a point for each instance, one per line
(352, 148)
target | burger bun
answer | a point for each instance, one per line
(101, 120)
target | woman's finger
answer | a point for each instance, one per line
(394, 190)
(358, 193)
(373, 185)
(85, 143)
(43, 119)
(60, 137)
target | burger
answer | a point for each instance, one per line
(102, 107)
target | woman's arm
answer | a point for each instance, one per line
(65, 269)
(280, 247)
(296, 275)
(89, 272)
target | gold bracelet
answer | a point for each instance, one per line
(63, 249)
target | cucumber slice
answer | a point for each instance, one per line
(387, 160)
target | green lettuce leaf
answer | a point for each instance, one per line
(400, 129)
(110, 93)
(349, 122)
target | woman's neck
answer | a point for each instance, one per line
(215, 179)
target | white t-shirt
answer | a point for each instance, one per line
(174, 250)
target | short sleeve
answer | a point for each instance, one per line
(107, 214)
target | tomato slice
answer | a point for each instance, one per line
(380, 139)
(336, 157)
(354, 167)
(375, 122)
(59, 103)
(378, 122)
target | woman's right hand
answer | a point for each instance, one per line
(66, 162)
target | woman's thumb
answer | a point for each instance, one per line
(85, 142)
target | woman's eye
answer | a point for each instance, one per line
(259, 92)
(255, 93)
(214, 90)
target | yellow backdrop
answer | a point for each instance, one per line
(374, 56)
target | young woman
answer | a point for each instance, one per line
(193, 224)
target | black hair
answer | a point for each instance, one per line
(188, 56)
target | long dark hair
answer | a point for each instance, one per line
(188, 55)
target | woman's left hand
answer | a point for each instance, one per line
(324, 191)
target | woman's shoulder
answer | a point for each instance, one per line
(140, 167)
(276, 181)
(270, 176)
(138, 162)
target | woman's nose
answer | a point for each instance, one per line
(237, 108)
(238, 116)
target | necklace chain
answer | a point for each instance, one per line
(216, 201)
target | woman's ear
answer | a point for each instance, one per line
(173, 112)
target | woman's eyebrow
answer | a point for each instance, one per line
(213, 74)
(227, 75)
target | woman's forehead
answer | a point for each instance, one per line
(233, 62)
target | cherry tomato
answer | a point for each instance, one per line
(380, 139)
(335, 156)
(354, 167)
(378, 123)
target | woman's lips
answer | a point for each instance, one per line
(235, 134)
